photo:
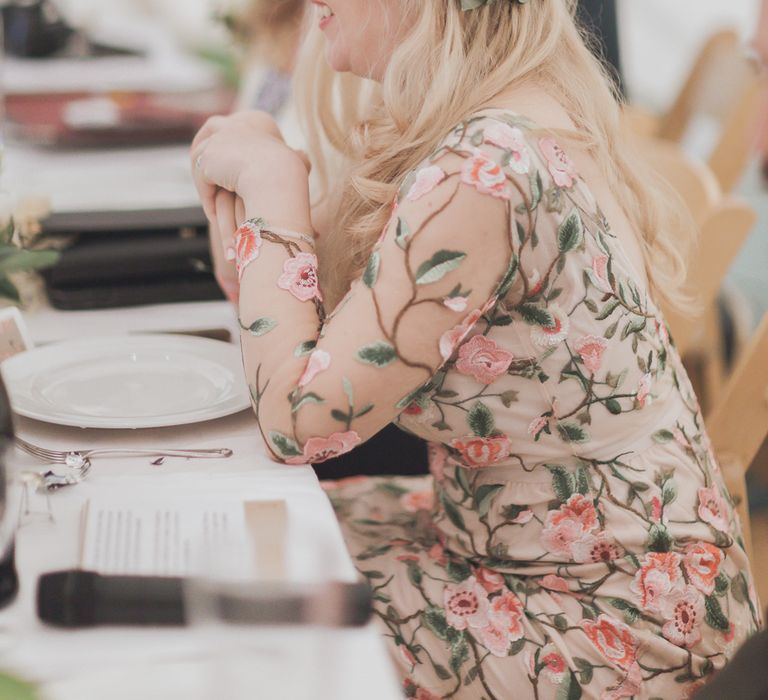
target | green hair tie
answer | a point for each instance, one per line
(474, 4)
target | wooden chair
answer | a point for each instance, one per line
(738, 425)
(724, 90)
(693, 181)
(721, 236)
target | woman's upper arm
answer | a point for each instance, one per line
(445, 257)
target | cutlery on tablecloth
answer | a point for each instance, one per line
(78, 458)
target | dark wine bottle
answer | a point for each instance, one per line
(9, 580)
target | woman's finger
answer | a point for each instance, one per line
(211, 125)
(239, 210)
(227, 221)
(205, 190)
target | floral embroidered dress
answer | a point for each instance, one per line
(575, 538)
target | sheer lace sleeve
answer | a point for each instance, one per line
(322, 385)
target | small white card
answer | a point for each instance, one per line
(14, 335)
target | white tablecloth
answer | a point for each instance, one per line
(164, 663)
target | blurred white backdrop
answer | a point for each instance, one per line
(660, 40)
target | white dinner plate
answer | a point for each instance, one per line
(135, 381)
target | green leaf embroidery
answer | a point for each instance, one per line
(261, 326)
(414, 573)
(509, 397)
(659, 539)
(536, 315)
(378, 354)
(459, 654)
(438, 266)
(571, 232)
(608, 309)
(562, 482)
(537, 187)
(613, 406)
(371, 273)
(484, 497)
(480, 420)
(669, 491)
(570, 432)
(715, 617)
(305, 348)
(284, 445)
(569, 689)
(662, 436)
(509, 277)
(453, 513)
(434, 620)
(441, 672)
(307, 398)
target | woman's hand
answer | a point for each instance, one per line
(245, 154)
(229, 212)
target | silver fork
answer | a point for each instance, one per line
(77, 458)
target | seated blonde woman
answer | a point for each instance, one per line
(491, 281)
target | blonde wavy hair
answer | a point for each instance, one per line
(365, 137)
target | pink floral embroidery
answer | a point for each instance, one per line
(591, 349)
(554, 663)
(644, 390)
(413, 691)
(547, 337)
(613, 639)
(507, 610)
(404, 557)
(656, 509)
(702, 565)
(524, 517)
(247, 246)
(485, 175)
(596, 548)
(656, 579)
(560, 167)
(414, 501)
(466, 605)
(437, 553)
(510, 139)
(579, 508)
(492, 581)
(572, 524)
(480, 357)
(600, 274)
(683, 611)
(495, 639)
(300, 277)
(319, 449)
(628, 687)
(437, 455)
(455, 303)
(537, 425)
(555, 583)
(451, 339)
(483, 452)
(422, 410)
(426, 180)
(713, 509)
(535, 283)
(319, 361)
